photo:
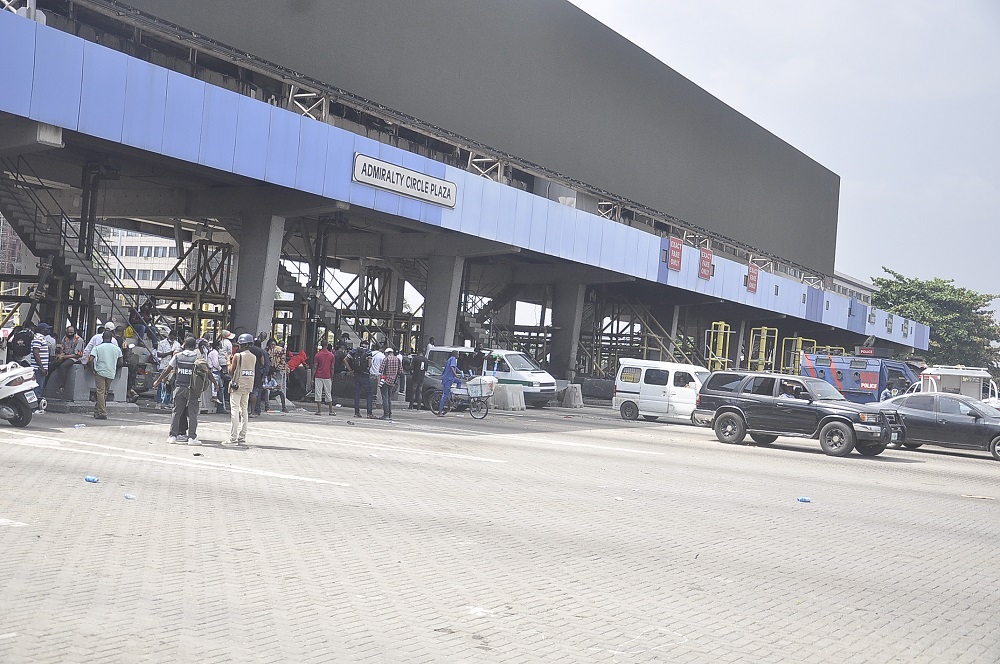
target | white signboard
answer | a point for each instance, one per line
(399, 180)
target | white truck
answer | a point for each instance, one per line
(975, 382)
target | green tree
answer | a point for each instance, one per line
(963, 328)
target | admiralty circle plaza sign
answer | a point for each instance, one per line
(399, 180)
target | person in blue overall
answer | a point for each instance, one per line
(449, 377)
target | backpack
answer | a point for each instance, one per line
(19, 342)
(200, 379)
(359, 361)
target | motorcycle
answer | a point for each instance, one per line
(17, 394)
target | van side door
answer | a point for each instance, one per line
(683, 393)
(654, 397)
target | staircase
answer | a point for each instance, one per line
(413, 271)
(473, 329)
(45, 237)
(326, 310)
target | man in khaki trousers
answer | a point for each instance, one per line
(243, 369)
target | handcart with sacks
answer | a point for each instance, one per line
(475, 394)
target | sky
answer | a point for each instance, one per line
(900, 98)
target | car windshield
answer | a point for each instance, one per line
(521, 362)
(433, 370)
(824, 391)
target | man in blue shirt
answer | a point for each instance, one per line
(449, 377)
(107, 360)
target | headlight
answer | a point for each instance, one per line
(536, 385)
(869, 417)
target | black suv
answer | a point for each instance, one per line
(768, 405)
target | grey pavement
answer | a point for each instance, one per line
(544, 536)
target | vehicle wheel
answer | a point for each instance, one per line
(22, 413)
(995, 448)
(433, 400)
(479, 408)
(629, 411)
(730, 428)
(837, 439)
(650, 418)
(763, 438)
(912, 446)
(870, 449)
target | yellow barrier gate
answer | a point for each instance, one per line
(763, 346)
(717, 345)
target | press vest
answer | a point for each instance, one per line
(184, 369)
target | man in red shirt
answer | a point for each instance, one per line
(323, 379)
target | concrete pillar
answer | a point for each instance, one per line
(444, 287)
(257, 272)
(567, 319)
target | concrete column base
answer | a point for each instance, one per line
(508, 397)
(572, 397)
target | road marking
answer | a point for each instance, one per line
(12, 524)
(168, 460)
(979, 497)
(8, 635)
(347, 442)
(543, 441)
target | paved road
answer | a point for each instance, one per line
(555, 536)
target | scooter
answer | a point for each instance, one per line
(17, 394)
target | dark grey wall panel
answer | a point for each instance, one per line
(542, 80)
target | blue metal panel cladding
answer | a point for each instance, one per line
(859, 317)
(253, 126)
(339, 162)
(491, 209)
(19, 63)
(506, 217)
(218, 128)
(310, 166)
(283, 147)
(814, 304)
(145, 105)
(60, 79)
(58, 72)
(184, 112)
(102, 100)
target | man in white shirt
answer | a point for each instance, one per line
(165, 350)
(98, 339)
(375, 372)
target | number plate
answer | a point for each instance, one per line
(895, 436)
(30, 397)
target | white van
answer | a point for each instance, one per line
(655, 389)
(510, 367)
(975, 382)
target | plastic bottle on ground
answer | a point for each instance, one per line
(92, 479)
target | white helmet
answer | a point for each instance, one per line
(389, 350)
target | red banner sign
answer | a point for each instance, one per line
(753, 275)
(675, 253)
(705, 264)
(866, 351)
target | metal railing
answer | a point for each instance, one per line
(26, 181)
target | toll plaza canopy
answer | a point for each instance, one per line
(62, 80)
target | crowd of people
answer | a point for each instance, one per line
(242, 376)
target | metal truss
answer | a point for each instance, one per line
(610, 210)
(486, 166)
(10, 5)
(310, 103)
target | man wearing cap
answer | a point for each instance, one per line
(243, 369)
(187, 392)
(359, 362)
(98, 339)
(226, 344)
(391, 368)
(165, 350)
